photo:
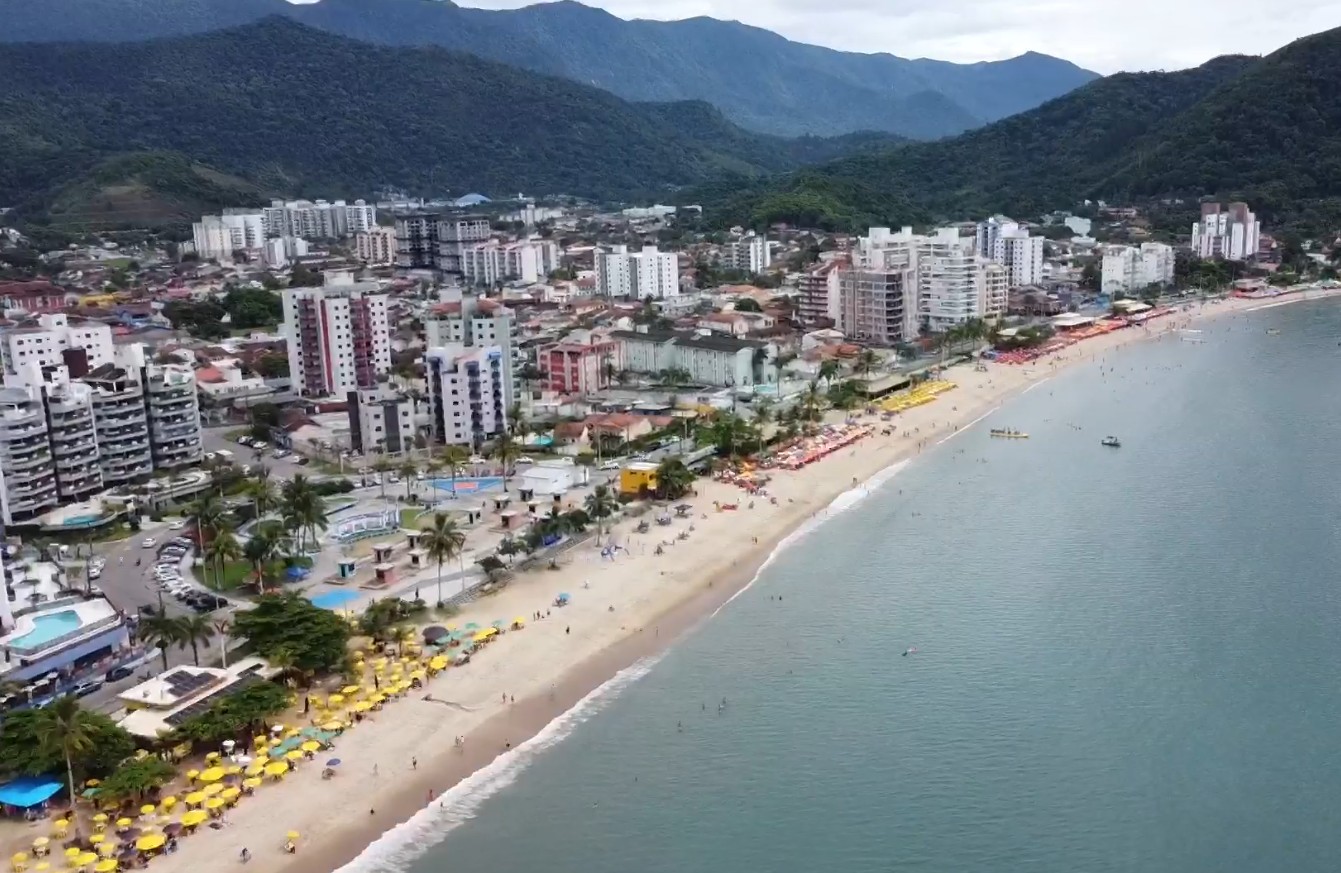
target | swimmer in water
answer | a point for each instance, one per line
(910, 651)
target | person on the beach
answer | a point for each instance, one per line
(245, 855)
(414, 763)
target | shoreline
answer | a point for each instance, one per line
(338, 830)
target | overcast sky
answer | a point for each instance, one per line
(1102, 35)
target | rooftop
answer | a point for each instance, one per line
(170, 698)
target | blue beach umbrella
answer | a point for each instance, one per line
(333, 762)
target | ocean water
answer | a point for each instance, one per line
(1126, 658)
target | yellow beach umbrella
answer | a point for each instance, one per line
(351, 689)
(41, 842)
(85, 858)
(195, 798)
(73, 852)
(148, 809)
(193, 818)
(256, 769)
(311, 746)
(332, 726)
(100, 818)
(211, 756)
(61, 824)
(230, 793)
(379, 697)
(22, 857)
(214, 803)
(107, 849)
(362, 706)
(337, 700)
(251, 783)
(167, 803)
(123, 822)
(213, 774)
(94, 839)
(149, 842)
(106, 865)
(294, 755)
(233, 770)
(438, 662)
(292, 835)
(276, 768)
(192, 775)
(211, 790)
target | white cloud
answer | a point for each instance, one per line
(1103, 35)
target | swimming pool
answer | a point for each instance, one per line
(334, 599)
(468, 484)
(47, 627)
(81, 521)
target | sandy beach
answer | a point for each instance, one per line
(622, 610)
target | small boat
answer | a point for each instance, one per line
(1273, 331)
(1009, 434)
(1112, 442)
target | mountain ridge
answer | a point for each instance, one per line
(419, 118)
(760, 79)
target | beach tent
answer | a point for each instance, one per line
(29, 791)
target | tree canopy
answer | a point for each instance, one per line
(290, 627)
(22, 751)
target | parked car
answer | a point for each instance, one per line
(148, 543)
(181, 522)
(525, 459)
(610, 465)
(116, 674)
(87, 687)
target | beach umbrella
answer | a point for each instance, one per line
(310, 746)
(148, 809)
(519, 621)
(149, 842)
(276, 769)
(97, 838)
(214, 803)
(41, 867)
(168, 803)
(100, 818)
(211, 790)
(195, 798)
(333, 762)
(22, 857)
(123, 823)
(232, 770)
(378, 698)
(212, 774)
(435, 632)
(337, 699)
(294, 755)
(73, 852)
(472, 626)
(41, 842)
(332, 726)
(106, 865)
(193, 818)
(255, 769)
(351, 689)
(292, 835)
(230, 793)
(252, 783)
(362, 706)
(85, 858)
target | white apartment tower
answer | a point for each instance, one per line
(218, 236)
(1020, 253)
(54, 340)
(1231, 233)
(637, 275)
(339, 337)
(479, 322)
(1127, 269)
(749, 254)
(466, 394)
(318, 220)
(489, 263)
(376, 247)
(947, 281)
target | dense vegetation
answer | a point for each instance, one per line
(419, 118)
(758, 78)
(1268, 131)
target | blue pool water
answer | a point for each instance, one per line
(469, 484)
(81, 521)
(48, 627)
(334, 599)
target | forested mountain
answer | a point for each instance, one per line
(759, 79)
(346, 119)
(1267, 130)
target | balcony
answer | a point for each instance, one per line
(28, 446)
(28, 462)
(86, 461)
(75, 448)
(72, 431)
(32, 503)
(47, 482)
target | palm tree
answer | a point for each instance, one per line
(673, 478)
(812, 404)
(221, 550)
(196, 630)
(763, 416)
(208, 513)
(162, 630)
(303, 509)
(264, 496)
(600, 504)
(444, 541)
(408, 470)
(867, 361)
(828, 369)
(222, 626)
(382, 466)
(507, 451)
(65, 727)
(264, 547)
(455, 458)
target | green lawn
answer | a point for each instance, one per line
(238, 574)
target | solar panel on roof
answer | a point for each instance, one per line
(201, 706)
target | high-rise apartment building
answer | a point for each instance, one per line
(216, 237)
(380, 420)
(376, 247)
(1232, 232)
(339, 337)
(431, 241)
(1004, 241)
(57, 339)
(749, 254)
(821, 293)
(1127, 269)
(529, 260)
(466, 394)
(63, 439)
(479, 322)
(318, 220)
(637, 275)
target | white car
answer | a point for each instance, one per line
(148, 543)
(610, 465)
(419, 475)
(525, 459)
(476, 459)
(178, 524)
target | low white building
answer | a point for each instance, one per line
(283, 250)
(1127, 269)
(708, 358)
(381, 420)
